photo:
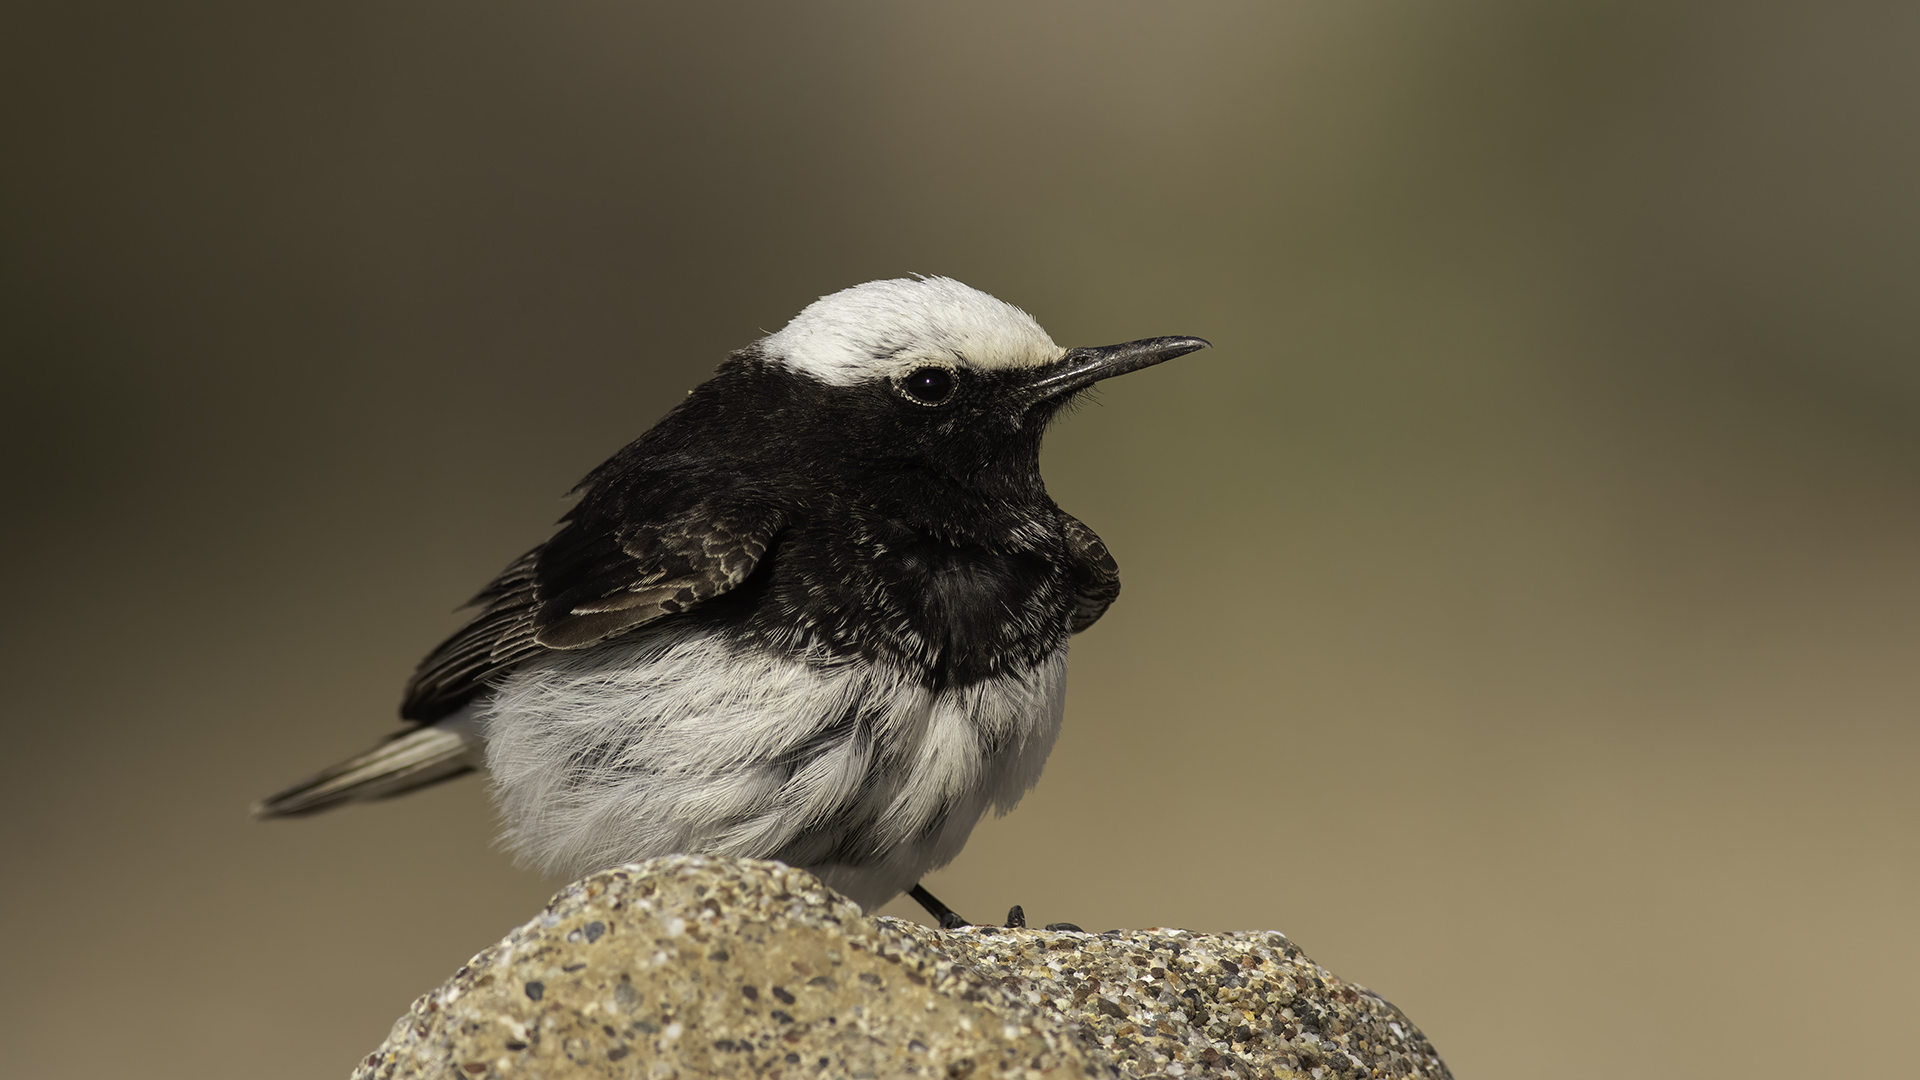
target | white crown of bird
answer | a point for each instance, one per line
(882, 329)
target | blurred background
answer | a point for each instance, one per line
(1523, 597)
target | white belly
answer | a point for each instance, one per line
(678, 741)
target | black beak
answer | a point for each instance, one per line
(1081, 368)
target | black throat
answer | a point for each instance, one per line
(920, 539)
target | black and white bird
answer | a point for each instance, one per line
(819, 613)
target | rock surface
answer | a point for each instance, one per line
(690, 966)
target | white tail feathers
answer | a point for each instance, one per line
(408, 760)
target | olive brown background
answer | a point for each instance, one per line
(1522, 598)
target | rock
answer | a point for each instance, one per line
(1173, 1002)
(691, 966)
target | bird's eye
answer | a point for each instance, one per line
(928, 385)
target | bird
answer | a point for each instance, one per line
(818, 613)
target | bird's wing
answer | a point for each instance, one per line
(1095, 576)
(641, 569)
(610, 569)
(499, 635)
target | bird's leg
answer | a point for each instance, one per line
(948, 918)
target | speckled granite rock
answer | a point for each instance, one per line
(701, 967)
(1174, 1003)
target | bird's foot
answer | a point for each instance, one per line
(950, 919)
(1017, 920)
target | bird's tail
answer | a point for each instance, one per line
(411, 759)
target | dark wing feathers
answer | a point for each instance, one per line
(645, 570)
(1095, 576)
(498, 636)
(600, 575)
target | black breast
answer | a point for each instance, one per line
(953, 611)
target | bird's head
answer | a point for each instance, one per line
(934, 370)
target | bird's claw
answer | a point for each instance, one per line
(1017, 920)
